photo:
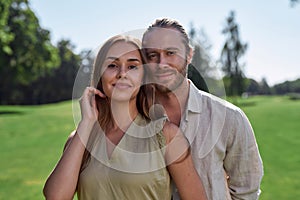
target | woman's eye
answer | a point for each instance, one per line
(112, 66)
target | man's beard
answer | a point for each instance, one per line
(181, 75)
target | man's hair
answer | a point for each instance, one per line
(170, 24)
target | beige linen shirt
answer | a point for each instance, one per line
(224, 147)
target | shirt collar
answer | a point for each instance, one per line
(194, 100)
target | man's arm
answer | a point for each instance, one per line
(242, 162)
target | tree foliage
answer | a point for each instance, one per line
(200, 67)
(5, 35)
(26, 53)
(232, 51)
(257, 88)
(294, 2)
(33, 71)
(58, 84)
(287, 87)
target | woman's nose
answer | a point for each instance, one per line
(122, 72)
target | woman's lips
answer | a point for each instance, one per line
(122, 85)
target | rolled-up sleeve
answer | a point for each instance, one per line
(243, 163)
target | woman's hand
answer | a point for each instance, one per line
(88, 106)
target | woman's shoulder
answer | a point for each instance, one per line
(170, 131)
(70, 137)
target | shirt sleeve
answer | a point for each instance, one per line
(242, 163)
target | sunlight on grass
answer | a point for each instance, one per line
(32, 139)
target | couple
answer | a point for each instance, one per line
(145, 125)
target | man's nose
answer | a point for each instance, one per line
(162, 59)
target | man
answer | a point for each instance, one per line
(222, 141)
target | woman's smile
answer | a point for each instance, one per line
(122, 85)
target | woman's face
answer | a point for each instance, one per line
(123, 72)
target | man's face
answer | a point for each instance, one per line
(166, 57)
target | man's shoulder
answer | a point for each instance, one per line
(201, 101)
(208, 98)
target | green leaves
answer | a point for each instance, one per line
(26, 52)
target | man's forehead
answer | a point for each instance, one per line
(162, 38)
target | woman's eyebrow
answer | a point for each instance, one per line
(112, 58)
(129, 59)
(133, 60)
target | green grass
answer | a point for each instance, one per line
(276, 122)
(32, 138)
(31, 141)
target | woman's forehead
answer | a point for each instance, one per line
(123, 48)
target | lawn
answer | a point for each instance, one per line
(276, 122)
(32, 138)
(31, 141)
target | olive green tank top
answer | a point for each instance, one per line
(136, 168)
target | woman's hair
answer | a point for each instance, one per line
(144, 98)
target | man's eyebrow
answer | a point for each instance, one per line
(149, 50)
(172, 48)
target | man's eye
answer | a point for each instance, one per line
(152, 56)
(132, 67)
(170, 53)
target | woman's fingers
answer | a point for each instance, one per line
(88, 104)
(99, 93)
(94, 91)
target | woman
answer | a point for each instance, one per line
(120, 150)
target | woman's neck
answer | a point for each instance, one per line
(123, 113)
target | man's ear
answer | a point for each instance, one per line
(190, 56)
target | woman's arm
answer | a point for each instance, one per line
(181, 166)
(62, 182)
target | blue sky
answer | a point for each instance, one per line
(271, 28)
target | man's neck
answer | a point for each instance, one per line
(174, 102)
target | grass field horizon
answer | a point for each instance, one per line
(32, 138)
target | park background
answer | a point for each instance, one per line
(39, 63)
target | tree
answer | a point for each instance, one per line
(287, 87)
(5, 35)
(252, 87)
(58, 84)
(27, 52)
(294, 2)
(232, 51)
(199, 69)
(264, 87)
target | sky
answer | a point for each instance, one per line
(270, 28)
